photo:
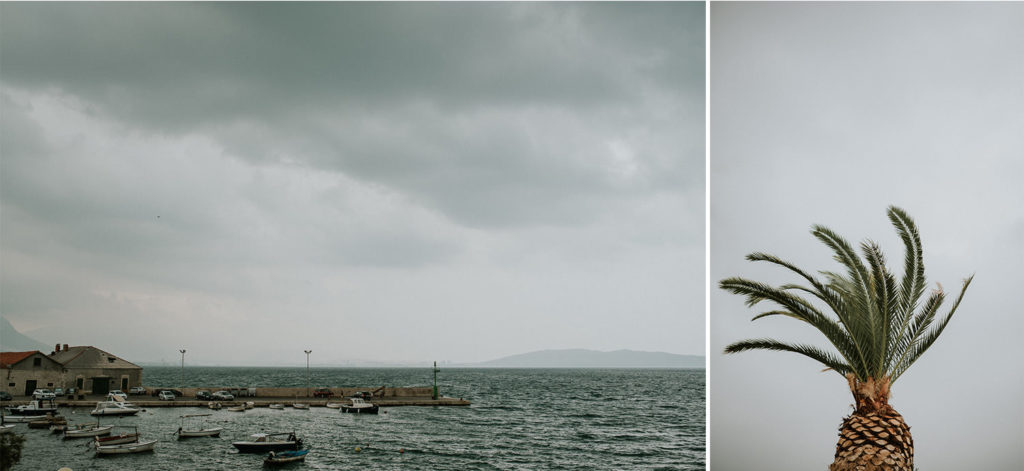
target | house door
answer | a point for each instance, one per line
(101, 385)
(124, 384)
(30, 387)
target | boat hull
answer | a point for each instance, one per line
(360, 410)
(90, 432)
(211, 432)
(265, 447)
(117, 439)
(287, 457)
(139, 447)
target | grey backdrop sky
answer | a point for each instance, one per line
(826, 114)
(373, 181)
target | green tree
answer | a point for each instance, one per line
(10, 450)
(877, 327)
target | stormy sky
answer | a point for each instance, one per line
(827, 114)
(388, 182)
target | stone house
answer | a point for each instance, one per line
(24, 372)
(94, 371)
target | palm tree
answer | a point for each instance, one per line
(879, 329)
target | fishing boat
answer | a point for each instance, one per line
(35, 407)
(128, 435)
(192, 427)
(264, 442)
(360, 406)
(48, 421)
(23, 419)
(115, 405)
(285, 457)
(238, 408)
(299, 405)
(88, 430)
(136, 447)
(276, 406)
(333, 405)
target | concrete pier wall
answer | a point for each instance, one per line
(302, 391)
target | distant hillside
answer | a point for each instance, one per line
(13, 341)
(579, 358)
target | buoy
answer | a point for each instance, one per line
(359, 449)
(401, 450)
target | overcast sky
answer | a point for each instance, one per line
(826, 114)
(372, 181)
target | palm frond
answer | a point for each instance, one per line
(826, 358)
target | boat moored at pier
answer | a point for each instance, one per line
(267, 442)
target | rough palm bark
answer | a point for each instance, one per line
(874, 437)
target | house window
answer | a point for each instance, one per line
(49, 384)
(10, 384)
(110, 359)
(37, 362)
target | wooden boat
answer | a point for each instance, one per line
(23, 419)
(195, 428)
(276, 406)
(136, 447)
(35, 407)
(128, 435)
(87, 430)
(299, 405)
(264, 442)
(238, 408)
(333, 405)
(360, 406)
(285, 457)
(48, 421)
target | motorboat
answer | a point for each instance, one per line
(266, 442)
(35, 407)
(192, 427)
(135, 447)
(299, 405)
(359, 406)
(115, 405)
(238, 408)
(88, 430)
(285, 457)
(276, 406)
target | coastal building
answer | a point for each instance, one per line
(23, 372)
(94, 371)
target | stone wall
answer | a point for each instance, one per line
(301, 391)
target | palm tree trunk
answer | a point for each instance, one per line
(874, 437)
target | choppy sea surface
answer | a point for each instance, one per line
(521, 419)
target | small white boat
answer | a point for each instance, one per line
(214, 405)
(115, 405)
(21, 419)
(333, 405)
(195, 428)
(285, 457)
(249, 404)
(299, 405)
(137, 447)
(359, 406)
(6, 428)
(276, 406)
(87, 430)
(238, 408)
(264, 442)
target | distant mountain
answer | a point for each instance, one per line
(580, 358)
(13, 341)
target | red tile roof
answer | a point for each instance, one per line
(9, 358)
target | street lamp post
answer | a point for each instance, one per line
(435, 380)
(182, 369)
(307, 371)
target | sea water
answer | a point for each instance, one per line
(522, 419)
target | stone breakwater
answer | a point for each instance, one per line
(262, 397)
